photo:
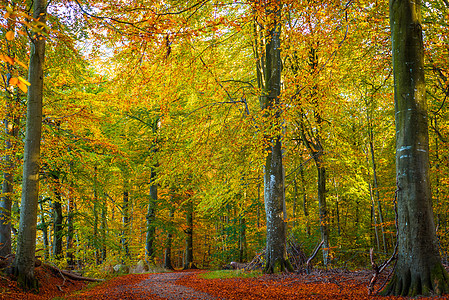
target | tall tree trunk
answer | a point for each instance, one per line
(304, 199)
(375, 180)
(57, 229)
(324, 226)
(43, 227)
(188, 263)
(419, 270)
(269, 78)
(242, 239)
(167, 255)
(70, 233)
(57, 221)
(26, 241)
(103, 228)
(151, 218)
(95, 237)
(126, 221)
(312, 139)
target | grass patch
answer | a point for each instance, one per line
(225, 274)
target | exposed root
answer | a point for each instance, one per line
(434, 283)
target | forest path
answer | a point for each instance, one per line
(145, 286)
(164, 285)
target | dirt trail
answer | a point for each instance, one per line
(146, 286)
(164, 285)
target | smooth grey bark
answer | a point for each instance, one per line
(419, 270)
(26, 241)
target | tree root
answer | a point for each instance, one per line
(278, 266)
(434, 283)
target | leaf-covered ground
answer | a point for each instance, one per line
(334, 284)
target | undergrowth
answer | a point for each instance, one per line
(225, 274)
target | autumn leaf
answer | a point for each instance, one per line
(10, 35)
(7, 59)
(22, 86)
(14, 81)
(21, 63)
(24, 81)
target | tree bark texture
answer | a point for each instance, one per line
(419, 270)
(26, 241)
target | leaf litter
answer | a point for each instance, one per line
(320, 284)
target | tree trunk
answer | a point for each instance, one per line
(188, 263)
(242, 239)
(103, 228)
(312, 138)
(126, 219)
(167, 259)
(375, 181)
(151, 218)
(418, 270)
(70, 233)
(57, 228)
(324, 226)
(57, 221)
(269, 79)
(43, 227)
(26, 241)
(304, 199)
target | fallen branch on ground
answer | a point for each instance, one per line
(309, 261)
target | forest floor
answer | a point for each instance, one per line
(331, 284)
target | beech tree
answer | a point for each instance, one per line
(26, 241)
(269, 77)
(419, 270)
